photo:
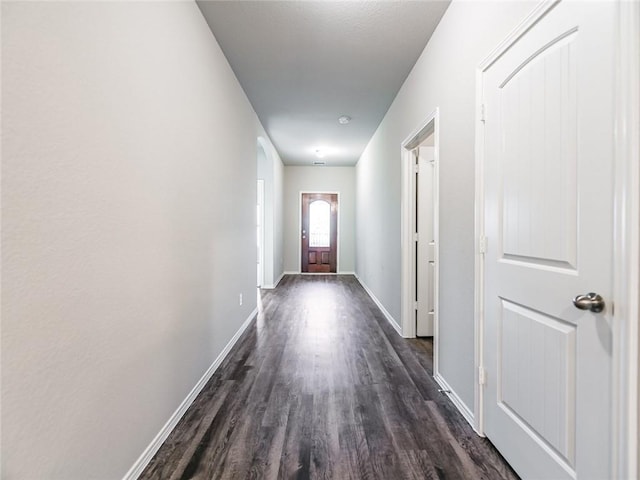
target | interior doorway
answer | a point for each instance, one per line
(420, 242)
(420, 233)
(260, 232)
(319, 233)
(425, 204)
(267, 216)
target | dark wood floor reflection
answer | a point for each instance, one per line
(320, 386)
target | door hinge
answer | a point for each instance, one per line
(483, 112)
(416, 237)
(481, 376)
(482, 245)
(415, 306)
(416, 168)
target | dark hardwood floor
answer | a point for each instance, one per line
(320, 386)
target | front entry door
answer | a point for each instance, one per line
(548, 148)
(319, 232)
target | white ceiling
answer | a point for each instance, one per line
(303, 64)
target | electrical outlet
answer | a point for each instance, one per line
(240, 299)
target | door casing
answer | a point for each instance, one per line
(260, 232)
(430, 125)
(626, 237)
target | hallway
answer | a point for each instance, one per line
(321, 386)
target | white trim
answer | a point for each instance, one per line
(529, 21)
(457, 401)
(271, 287)
(300, 193)
(387, 315)
(407, 246)
(436, 238)
(144, 459)
(626, 259)
(478, 327)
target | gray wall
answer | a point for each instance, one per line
(319, 179)
(443, 77)
(128, 227)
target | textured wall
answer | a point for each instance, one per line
(443, 77)
(128, 227)
(319, 179)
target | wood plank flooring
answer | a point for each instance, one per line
(321, 387)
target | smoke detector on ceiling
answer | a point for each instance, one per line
(344, 119)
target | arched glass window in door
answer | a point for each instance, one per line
(319, 223)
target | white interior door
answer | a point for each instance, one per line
(548, 151)
(425, 246)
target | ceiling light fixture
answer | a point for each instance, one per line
(319, 163)
(344, 119)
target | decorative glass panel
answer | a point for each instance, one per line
(319, 223)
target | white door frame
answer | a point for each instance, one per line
(329, 192)
(626, 238)
(268, 225)
(408, 319)
(260, 220)
(626, 244)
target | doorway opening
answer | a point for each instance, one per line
(425, 227)
(319, 233)
(260, 232)
(266, 216)
(420, 238)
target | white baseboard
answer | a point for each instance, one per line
(384, 311)
(456, 400)
(279, 280)
(144, 459)
(275, 284)
(347, 273)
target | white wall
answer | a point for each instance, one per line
(128, 227)
(319, 179)
(443, 77)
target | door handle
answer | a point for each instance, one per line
(591, 301)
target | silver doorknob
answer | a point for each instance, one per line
(590, 301)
